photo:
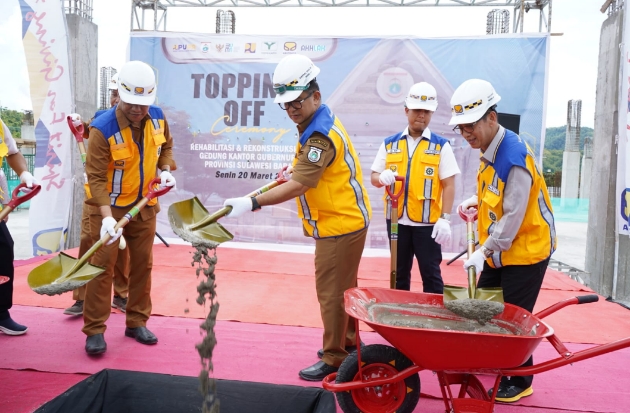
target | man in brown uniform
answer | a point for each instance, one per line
(121, 270)
(327, 183)
(126, 146)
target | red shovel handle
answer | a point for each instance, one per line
(154, 193)
(17, 199)
(468, 215)
(281, 178)
(76, 131)
(394, 197)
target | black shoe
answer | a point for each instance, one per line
(142, 335)
(349, 349)
(95, 344)
(511, 394)
(75, 309)
(120, 303)
(11, 328)
(317, 371)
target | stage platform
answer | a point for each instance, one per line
(270, 328)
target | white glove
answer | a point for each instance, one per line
(442, 231)
(473, 201)
(108, 227)
(76, 119)
(239, 206)
(387, 177)
(122, 244)
(477, 259)
(286, 174)
(167, 179)
(27, 178)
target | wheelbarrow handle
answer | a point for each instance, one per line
(468, 214)
(395, 196)
(76, 131)
(582, 299)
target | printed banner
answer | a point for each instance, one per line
(230, 138)
(623, 148)
(45, 41)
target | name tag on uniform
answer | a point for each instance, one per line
(394, 150)
(432, 152)
(158, 131)
(493, 190)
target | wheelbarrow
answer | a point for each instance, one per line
(16, 200)
(384, 379)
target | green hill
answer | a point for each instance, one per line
(555, 139)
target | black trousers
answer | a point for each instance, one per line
(417, 241)
(521, 285)
(6, 268)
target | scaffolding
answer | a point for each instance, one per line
(498, 21)
(82, 8)
(159, 8)
(106, 74)
(226, 22)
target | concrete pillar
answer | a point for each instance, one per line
(83, 39)
(570, 175)
(600, 244)
(587, 165)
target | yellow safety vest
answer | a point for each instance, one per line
(132, 164)
(536, 238)
(423, 189)
(4, 151)
(340, 204)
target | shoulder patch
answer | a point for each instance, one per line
(318, 141)
(314, 154)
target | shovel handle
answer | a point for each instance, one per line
(17, 199)
(226, 210)
(76, 131)
(468, 214)
(120, 224)
(395, 196)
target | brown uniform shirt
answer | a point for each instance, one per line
(99, 155)
(309, 169)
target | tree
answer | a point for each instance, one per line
(13, 120)
(555, 139)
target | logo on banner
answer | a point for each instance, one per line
(313, 48)
(219, 47)
(625, 205)
(393, 83)
(184, 47)
(269, 47)
(205, 47)
(230, 48)
(290, 46)
(250, 47)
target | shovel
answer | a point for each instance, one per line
(13, 203)
(394, 228)
(65, 273)
(78, 135)
(475, 305)
(192, 222)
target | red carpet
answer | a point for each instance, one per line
(272, 295)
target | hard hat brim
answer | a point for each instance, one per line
(421, 105)
(465, 119)
(288, 96)
(135, 99)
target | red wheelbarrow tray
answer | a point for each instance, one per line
(466, 352)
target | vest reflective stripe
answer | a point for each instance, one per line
(340, 187)
(535, 240)
(422, 197)
(132, 164)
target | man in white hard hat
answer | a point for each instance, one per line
(427, 162)
(121, 270)
(10, 152)
(515, 223)
(326, 181)
(119, 175)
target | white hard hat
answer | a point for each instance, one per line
(136, 83)
(422, 96)
(292, 76)
(471, 100)
(113, 84)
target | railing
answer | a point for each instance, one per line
(81, 8)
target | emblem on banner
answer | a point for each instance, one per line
(270, 46)
(250, 47)
(219, 47)
(290, 46)
(625, 205)
(314, 154)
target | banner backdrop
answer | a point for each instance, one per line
(44, 36)
(623, 148)
(230, 138)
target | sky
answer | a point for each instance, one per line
(572, 62)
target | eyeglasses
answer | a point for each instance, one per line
(295, 104)
(468, 128)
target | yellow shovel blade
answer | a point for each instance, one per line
(185, 214)
(56, 276)
(452, 292)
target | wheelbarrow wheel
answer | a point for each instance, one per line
(379, 362)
